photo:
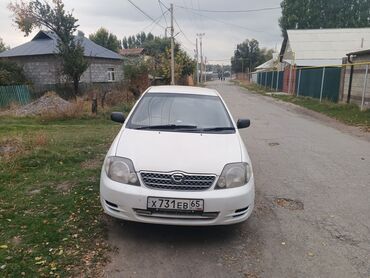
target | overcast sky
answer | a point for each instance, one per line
(223, 31)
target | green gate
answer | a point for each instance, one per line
(319, 83)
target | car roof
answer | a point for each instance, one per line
(191, 90)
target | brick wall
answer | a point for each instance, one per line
(286, 80)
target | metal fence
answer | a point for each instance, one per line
(320, 83)
(18, 94)
(271, 79)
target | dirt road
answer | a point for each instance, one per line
(312, 215)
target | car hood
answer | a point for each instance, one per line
(177, 151)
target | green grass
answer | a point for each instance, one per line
(347, 113)
(50, 215)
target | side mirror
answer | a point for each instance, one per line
(243, 123)
(118, 117)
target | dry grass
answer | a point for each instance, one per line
(77, 109)
(12, 146)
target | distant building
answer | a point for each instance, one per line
(133, 55)
(43, 67)
(319, 48)
(322, 47)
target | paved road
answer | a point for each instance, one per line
(320, 226)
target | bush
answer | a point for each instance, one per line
(11, 74)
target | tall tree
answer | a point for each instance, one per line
(316, 14)
(3, 47)
(138, 40)
(106, 39)
(29, 15)
(248, 55)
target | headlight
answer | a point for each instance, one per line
(234, 175)
(121, 170)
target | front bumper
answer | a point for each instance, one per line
(221, 207)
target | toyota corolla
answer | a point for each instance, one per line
(178, 159)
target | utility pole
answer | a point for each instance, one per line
(205, 69)
(172, 49)
(197, 58)
(200, 35)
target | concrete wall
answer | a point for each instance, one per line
(97, 71)
(357, 82)
(46, 70)
(40, 70)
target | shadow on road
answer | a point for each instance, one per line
(150, 233)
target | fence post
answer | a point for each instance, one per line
(322, 82)
(290, 79)
(266, 79)
(299, 81)
(364, 88)
(272, 80)
(277, 80)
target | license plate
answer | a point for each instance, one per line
(175, 204)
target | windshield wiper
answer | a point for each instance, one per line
(220, 128)
(171, 126)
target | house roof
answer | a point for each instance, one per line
(131, 51)
(316, 47)
(45, 43)
(270, 64)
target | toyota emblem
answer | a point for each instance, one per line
(177, 178)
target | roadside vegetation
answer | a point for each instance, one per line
(347, 113)
(50, 215)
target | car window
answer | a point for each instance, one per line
(200, 112)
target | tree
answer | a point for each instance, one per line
(316, 14)
(11, 74)
(38, 14)
(104, 38)
(138, 40)
(248, 55)
(184, 65)
(3, 47)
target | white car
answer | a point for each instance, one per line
(179, 160)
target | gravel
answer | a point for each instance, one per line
(49, 103)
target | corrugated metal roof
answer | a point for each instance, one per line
(266, 65)
(325, 46)
(131, 51)
(45, 43)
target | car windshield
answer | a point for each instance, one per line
(181, 112)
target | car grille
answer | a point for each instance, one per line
(179, 215)
(177, 181)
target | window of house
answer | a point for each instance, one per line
(111, 76)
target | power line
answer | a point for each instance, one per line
(154, 22)
(160, 6)
(229, 11)
(228, 23)
(144, 13)
(200, 18)
(185, 36)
